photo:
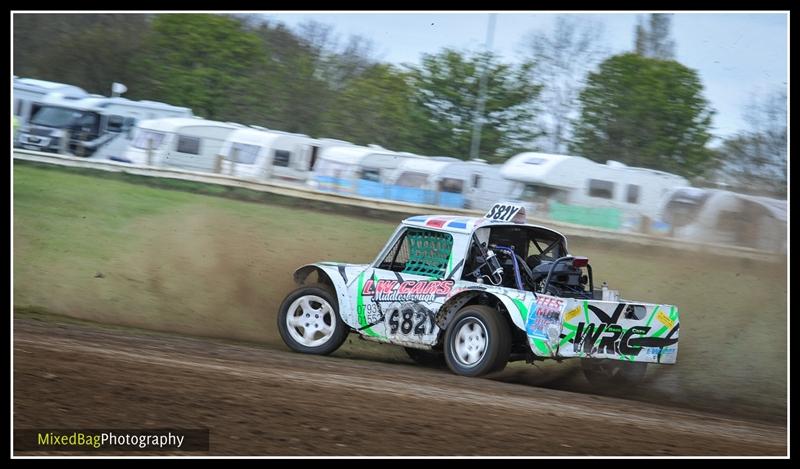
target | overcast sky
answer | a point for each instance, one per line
(736, 54)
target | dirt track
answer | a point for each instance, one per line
(260, 401)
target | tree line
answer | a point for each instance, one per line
(566, 94)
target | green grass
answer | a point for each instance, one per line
(114, 250)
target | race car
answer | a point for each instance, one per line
(478, 293)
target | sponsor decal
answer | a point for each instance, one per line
(571, 315)
(546, 313)
(408, 290)
(665, 320)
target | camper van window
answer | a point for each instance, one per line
(633, 194)
(281, 158)
(148, 139)
(243, 153)
(189, 145)
(537, 193)
(412, 179)
(115, 123)
(371, 174)
(57, 117)
(451, 185)
(476, 181)
(601, 189)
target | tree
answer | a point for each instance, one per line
(446, 93)
(376, 107)
(645, 112)
(655, 42)
(205, 62)
(755, 160)
(87, 50)
(563, 60)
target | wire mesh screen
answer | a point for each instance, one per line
(428, 252)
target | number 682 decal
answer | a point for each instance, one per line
(410, 319)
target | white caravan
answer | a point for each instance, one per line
(258, 153)
(87, 126)
(724, 217)
(451, 182)
(355, 169)
(187, 143)
(29, 91)
(578, 187)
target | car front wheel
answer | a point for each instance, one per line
(309, 321)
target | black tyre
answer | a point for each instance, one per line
(428, 358)
(309, 321)
(477, 341)
(608, 373)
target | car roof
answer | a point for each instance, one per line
(464, 225)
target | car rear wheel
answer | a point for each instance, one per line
(309, 321)
(477, 341)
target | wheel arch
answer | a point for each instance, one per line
(501, 303)
(332, 277)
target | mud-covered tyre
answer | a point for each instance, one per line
(613, 373)
(309, 321)
(427, 358)
(477, 341)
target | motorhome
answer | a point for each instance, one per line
(84, 127)
(189, 143)
(356, 169)
(449, 182)
(258, 153)
(577, 190)
(724, 217)
(27, 92)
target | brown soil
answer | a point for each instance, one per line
(260, 401)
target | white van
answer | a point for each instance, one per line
(29, 91)
(87, 126)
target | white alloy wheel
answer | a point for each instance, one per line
(310, 321)
(471, 342)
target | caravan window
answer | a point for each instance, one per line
(633, 194)
(411, 179)
(190, 145)
(476, 181)
(281, 158)
(371, 174)
(537, 193)
(148, 139)
(601, 189)
(451, 185)
(243, 153)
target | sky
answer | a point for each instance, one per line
(736, 55)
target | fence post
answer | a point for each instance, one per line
(218, 163)
(235, 156)
(63, 146)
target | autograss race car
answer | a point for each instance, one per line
(478, 293)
